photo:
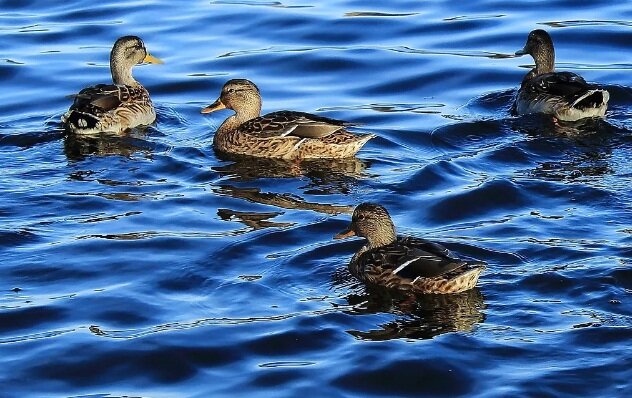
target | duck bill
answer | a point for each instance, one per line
(345, 234)
(150, 59)
(215, 106)
(521, 52)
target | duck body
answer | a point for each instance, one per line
(282, 134)
(408, 264)
(109, 107)
(564, 95)
(416, 265)
(114, 107)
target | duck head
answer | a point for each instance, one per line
(370, 221)
(540, 46)
(127, 52)
(240, 95)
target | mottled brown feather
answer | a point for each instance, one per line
(408, 264)
(283, 134)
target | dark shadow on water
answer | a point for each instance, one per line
(27, 140)
(585, 147)
(325, 176)
(320, 177)
(594, 130)
(281, 200)
(78, 147)
(495, 104)
(253, 220)
(559, 150)
(419, 317)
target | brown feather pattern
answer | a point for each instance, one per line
(271, 136)
(408, 264)
(377, 266)
(113, 108)
(282, 134)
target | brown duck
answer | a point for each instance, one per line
(119, 106)
(405, 263)
(565, 95)
(283, 134)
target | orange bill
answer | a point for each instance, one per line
(215, 106)
(345, 234)
(150, 59)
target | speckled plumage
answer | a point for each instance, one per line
(405, 263)
(565, 95)
(283, 134)
(114, 107)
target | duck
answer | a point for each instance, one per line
(405, 263)
(282, 134)
(116, 107)
(564, 95)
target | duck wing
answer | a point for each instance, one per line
(561, 84)
(92, 102)
(290, 123)
(411, 258)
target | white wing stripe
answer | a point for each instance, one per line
(289, 130)
(404, 265)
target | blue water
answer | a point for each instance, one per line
(146, 265)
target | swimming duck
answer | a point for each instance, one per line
(283, 134)
(565, 95)
(119, 106)
(405, 263)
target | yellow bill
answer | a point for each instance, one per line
(345, 234)
(150, 59)
(215, 106)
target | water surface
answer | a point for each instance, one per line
(147, 265)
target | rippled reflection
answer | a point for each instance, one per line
(275, 4)
(586, 147)
(324, 172)
(253, 220)
(427, 108)
(542, 125)
(419, 317)
(135, 259)
(78, 147)
(554, 150)
(282, 200)
(422, 316)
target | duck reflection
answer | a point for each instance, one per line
(77, 147)
(420, 317)
(253, 220)
(587, 147)
(560, 151)
(325, 176)
(331, 176)
(544, 125)
(282, 200)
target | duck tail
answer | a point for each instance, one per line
(466, 279)
(591, 99)
(364, 139)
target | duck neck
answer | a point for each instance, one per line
(231, 123)
(241, 116)
(250, 110)
(122, 73)
(385, 236)
(544, 61)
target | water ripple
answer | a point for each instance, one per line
(148, 264)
